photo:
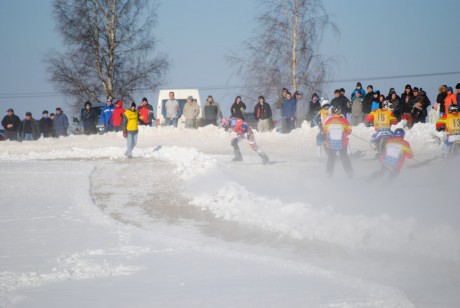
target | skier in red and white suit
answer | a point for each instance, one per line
(243, 131)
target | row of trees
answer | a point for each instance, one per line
(110, 49)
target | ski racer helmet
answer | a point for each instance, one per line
(388, 105)
(453, 108)
(399, 132)
(324, 102)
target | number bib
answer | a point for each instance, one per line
(392, 155)
(453, 125)
(335, 137)
(381, 120)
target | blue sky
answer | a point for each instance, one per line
(378, 38)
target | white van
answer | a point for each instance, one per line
(181, 97)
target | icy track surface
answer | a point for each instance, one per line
(179, 225)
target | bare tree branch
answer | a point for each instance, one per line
(109, 49)
(284, 50)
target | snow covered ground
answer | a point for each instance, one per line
(179, 225)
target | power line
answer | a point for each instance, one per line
(14, 95)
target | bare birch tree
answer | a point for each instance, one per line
(284, 52)
(109, 49)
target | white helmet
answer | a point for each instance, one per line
(323, 101)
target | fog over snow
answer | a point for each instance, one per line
(180, 225)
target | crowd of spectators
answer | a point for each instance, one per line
(412, 105)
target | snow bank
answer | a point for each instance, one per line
(303, 221)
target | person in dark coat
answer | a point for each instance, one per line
(89, 119)
(11, 123)
(440, 99)
(406, 106)
(263, 115)
(314, 107)
(29, 128)
(289, 111)
(421, 103)
(238, 108)
(367, 100)
(45, 125)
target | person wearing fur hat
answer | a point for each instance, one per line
(421, 103)
(404, 109)
(130, 128)
(45, 125)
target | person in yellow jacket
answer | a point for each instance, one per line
(130, 128)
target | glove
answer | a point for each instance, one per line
(125, 133)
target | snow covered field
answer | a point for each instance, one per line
(179, 225)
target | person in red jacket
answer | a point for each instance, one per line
(146, 115)
(117, 116)
(395, 152)
(450, 122)
(336, 130)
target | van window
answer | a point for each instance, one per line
(181, 106)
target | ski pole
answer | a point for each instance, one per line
(367, 141)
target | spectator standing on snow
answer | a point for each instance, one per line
(280, 105)
(301, 109)
(263, 115)
(117, 116)
(29, 128)
(238, 108)
(11, 123)
(451, 98)
(440, 98)
(346, 103)
(367, 99)
(106, 115)
(211, 111)
(376, 101)
(191, 112)
(60, 123)
(172, 110)
(406, 106)
(336, 130)
(45, 125)
(359, 88)
(146, 115)
(421, 103)
(130, 128)
(390, 93)
(289, 111)
(357, 114)
(89, 119)
(313, 107)
(243, 131)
